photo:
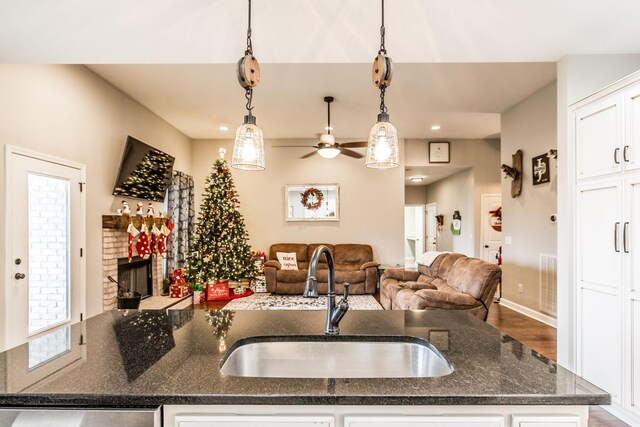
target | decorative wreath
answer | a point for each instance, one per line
(311, 193)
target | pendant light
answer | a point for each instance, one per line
(248, 148)
(382, 148)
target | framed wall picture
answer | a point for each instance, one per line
(439, 151)
(540, 169)
(312, 202)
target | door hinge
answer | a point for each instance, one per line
(82, 184)
(81, 317)
(81, 252)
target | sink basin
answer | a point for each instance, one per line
(335, 357)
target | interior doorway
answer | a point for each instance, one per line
(491, 226)
(414, 233)
(432, 228)
(44, 240)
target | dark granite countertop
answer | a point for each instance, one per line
(151, 358)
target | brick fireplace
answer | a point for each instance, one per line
(115, 246)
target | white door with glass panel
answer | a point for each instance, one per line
(45, 236)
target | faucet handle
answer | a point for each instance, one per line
(345, 290)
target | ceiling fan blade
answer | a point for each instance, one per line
(356, 144)
(308, 155)
(294, 146)
(350, 153)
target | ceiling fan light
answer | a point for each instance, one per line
(382, 148)
(327, 138)
(328, 152)
(248, 148)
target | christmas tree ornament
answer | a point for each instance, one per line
(132, 233)
(143, 246)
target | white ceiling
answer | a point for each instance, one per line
(313, 31)
(465, 99)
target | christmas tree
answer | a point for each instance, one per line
(221, 247)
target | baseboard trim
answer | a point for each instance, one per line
(547, 320)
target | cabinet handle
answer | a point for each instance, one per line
(615, 155)
(624, 153)
(615, 237)
(624, 237)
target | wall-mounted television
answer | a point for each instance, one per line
(145, 172)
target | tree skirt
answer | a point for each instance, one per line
(296, 302)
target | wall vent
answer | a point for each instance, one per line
(548, 284)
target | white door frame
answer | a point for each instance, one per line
(11, 150)
(483, 223)
(426, 210)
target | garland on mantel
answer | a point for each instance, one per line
(311, 193)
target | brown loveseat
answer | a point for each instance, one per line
(353, 263)
(451, 282)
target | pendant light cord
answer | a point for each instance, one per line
(329, 118)
(382, 32)
(249, 43)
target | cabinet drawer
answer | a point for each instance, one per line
(207, 420)
(80, 417)
(426, 421)
(545, 421)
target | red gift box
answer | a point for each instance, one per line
(179, 291)
(218, 291)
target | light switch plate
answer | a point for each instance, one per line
(508, 240)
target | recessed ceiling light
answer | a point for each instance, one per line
(223, 128)
(435, 127)
(417, 178)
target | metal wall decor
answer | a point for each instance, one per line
(540, 169)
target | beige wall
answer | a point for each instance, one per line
(455, 192)
(69, 112)
(415, 195)
(531, 127)
(483, 157)
(578, 77)
(371, 201)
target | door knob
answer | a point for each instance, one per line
(20, 276)
(486, 246)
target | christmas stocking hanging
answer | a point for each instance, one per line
(165, 231)
(142, 246)
(133, 232)
(155, 233)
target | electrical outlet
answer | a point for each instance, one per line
(520, 287)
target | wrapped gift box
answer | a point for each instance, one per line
(179, 291)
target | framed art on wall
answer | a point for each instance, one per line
(312, 202)
(540, 169)
(439, 152)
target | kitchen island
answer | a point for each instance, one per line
(170, 361)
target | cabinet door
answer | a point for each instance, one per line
(599, 261)
(545, 421)
(206, 420)
(426, 421)
(599, 138)
(632, 119)
(631, 235)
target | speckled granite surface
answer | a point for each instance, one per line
(153, 358)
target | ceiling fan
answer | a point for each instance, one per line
(327, 146)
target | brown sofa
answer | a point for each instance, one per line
(451, 282)
(353, 263)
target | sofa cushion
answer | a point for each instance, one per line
(312, 247)
(352, 254)
(291, 276)
(429, 298)
(353, 276)
(299, 248)
(442, 265)
(287, 260)
(470, 275)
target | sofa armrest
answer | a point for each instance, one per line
(368, 264)
(273, 263)
(401, 274)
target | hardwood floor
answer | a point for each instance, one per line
(541, 338)
(534, 334)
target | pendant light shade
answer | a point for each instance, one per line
(248, 148)
(382, 148)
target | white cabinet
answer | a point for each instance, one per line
(545, 421)
(606, 132)
(599, 138)
(429, 421)
(209, 420)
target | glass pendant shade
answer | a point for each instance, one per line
(328, 152)
(248, 148)
(382, 149)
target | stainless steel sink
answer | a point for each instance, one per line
(335, 357)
